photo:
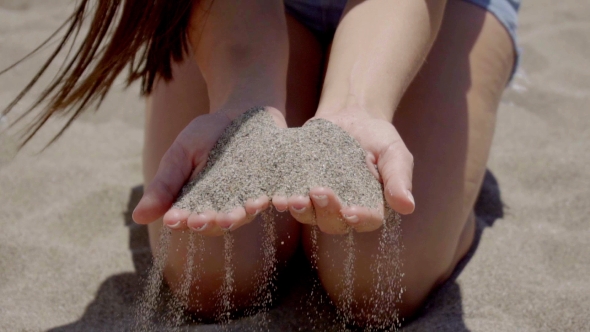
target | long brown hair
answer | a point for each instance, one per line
(143, 36)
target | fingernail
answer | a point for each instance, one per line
(351, 218)
(410, 197)
(200, 229)
(320, 200)
(256, 212)
(301, 210)
(283, 210)
(175, 225)
(227, 227)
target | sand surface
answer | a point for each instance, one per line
(70, 256)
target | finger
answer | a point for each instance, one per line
(175, 167)
(254, 206)
(396, 165)
(204, 223)
(327, 211)
(371, 161)
(301, 209)
(231, 220)
(188, 154)
(198, 221)
(176, 219)
(277, 116)
(362, 219)
(281, 203)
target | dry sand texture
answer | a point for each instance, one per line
(70, 256)
(254, 157)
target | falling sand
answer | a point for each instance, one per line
(148, 302)
(191, 275)
(254, 158)
(227, 289)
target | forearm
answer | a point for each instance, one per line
(242, 50)
(378, 48)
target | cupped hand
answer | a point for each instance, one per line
(185, 158)
(387, 158)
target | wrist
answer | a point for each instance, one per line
(238, 104)
(245, 76)
(245, 94)
(239, 86)
(353, 108)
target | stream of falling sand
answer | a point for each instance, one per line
(388, 265)
(387, 268)
(348, 281)
(315, 298)
(266, 280)
(227, 289)
(191, 275)
(149, 300)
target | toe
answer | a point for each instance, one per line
(362, 219)
(176, 218)
(327, 211)
(301, 209)
(281, 203)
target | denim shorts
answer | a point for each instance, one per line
(322, 16)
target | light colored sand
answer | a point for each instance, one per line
(254, 157)
(67, 248)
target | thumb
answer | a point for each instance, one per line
(175, 168)
(396, 165)
(277, 116)
(188, 154)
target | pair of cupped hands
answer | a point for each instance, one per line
(387, 158)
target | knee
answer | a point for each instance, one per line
(205, 293)
(367, 305)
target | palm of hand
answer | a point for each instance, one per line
(387, 156)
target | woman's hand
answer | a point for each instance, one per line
(185, 158)
(374, 56)
(394, 163)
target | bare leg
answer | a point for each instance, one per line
(447, 120)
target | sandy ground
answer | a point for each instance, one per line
(70, 257)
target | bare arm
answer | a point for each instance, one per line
(242, 49)
(378, 48)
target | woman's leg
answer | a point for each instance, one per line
(446, 119)
(169, 109)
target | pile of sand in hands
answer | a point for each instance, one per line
(254, 157)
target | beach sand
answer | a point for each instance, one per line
(255, 158)
(70, 256)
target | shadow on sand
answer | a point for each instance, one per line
(443, 311)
